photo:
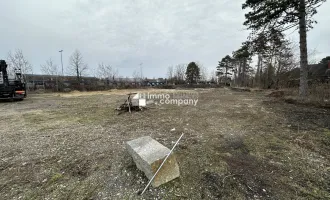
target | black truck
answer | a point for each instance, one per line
(11, 88)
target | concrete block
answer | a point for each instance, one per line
(148, 154)
(142, 102)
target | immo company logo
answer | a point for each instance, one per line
(175, 98)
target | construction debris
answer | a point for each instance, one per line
(132, 103)
(148, 155)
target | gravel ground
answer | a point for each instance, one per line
(238, 145)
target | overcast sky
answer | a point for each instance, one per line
(125, 33)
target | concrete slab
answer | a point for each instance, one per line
(148, 154)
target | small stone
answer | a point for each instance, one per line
(227, 154)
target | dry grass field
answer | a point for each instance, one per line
(237, 145)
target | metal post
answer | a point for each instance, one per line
(141, 69)
(162, 164)
(62, 62)
(141, 73)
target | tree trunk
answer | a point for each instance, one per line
(226, 70)
(278, 71)
(77, 70)
(239, 75)
(244, 72)
(258, 71)
(235, 74)
(303, 50)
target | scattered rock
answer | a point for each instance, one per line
(227, 154)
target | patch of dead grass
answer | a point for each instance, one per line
(237, 146)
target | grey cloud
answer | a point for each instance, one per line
(125, 33)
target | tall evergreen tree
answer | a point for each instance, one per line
(225, 67)
(192, 73)
(283, 15)
(243, 57)
(325, 60)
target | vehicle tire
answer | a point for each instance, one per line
(12, 97)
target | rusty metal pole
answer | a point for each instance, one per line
(162, 164)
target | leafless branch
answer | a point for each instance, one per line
(17, 61)
(49, 68)
(77, 65)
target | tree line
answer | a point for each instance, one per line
(268, 20)
(191, 73)
(76, 67)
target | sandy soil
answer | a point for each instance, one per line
(238, 145)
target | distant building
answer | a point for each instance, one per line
(38, 81)
(154, 82)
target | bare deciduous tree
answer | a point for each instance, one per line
(312, 59)
(203, 72)
(170, 72)
(180, 73)
(105, 71)
(77, 65)
(213, 76)
(50, 68)
(136, 76)
(311, 53)
(17, 61)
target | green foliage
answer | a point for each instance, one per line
(240, 60)
(244, 52)
(270, 15)
(325, 60)
(266, 42)
(243, 55)
(192, 73)
(225, 66)
(282, 14)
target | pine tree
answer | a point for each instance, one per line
(192, 73)
(225, 67)
(283, 15)
(325, 60)
(243, 57)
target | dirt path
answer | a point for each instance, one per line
(237, 146)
